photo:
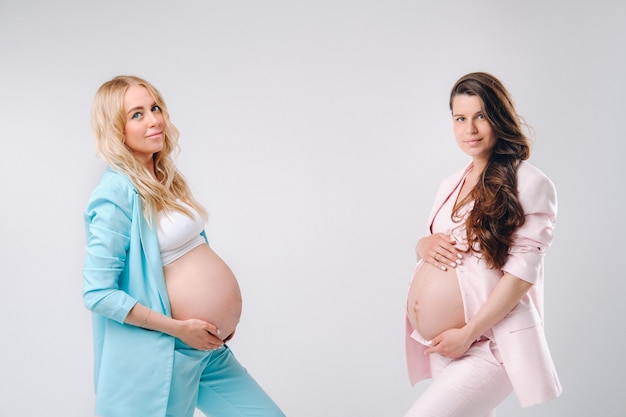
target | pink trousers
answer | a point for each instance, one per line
(469, 386)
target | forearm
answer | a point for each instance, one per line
(142, 316)
(505, 296)
(196, 333)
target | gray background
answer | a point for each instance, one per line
(315, 133)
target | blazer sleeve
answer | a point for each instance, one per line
(108, 222)
(537, 195)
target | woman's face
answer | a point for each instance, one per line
(472, 130)
(145, 124)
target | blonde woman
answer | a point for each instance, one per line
(163, 302)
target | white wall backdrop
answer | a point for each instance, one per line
(316, 133)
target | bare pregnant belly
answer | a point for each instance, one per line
(434, 302)
(201, 286)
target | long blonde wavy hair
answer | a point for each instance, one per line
(108, 123)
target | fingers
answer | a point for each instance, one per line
(433, 348)
(212, 329)
(200, 335)
(439, 347)
(443, 261)
(435, 261)
(446, 245)
(205, 342)
(215, 339)
(213, 346)
(215, 333)
(212, 343)
(443, 252)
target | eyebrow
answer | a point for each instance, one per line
(140, 108)
(461, 114)
(134, 109)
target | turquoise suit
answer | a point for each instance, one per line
(139, 372)
(123, 267)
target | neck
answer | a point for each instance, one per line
(148, 163)
(478, 165)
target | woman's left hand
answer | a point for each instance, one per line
(452, 343)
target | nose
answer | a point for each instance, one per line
(152, 119)
(471, 128)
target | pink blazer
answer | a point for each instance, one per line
(520, 336)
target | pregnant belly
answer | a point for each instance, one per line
(434, 302)
(201, 286)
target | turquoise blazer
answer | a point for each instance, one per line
(133, 366)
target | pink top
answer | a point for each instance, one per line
(443, 222)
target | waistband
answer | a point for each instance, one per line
(415, 335)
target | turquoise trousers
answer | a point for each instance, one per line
(217, 384)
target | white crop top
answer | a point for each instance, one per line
(178, 234)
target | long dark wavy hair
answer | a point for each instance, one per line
(497, 212)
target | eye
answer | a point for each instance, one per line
(481, 117)
(156, 108)
(136, 115)
(460, 119)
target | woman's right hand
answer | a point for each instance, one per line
(199, 334)
(439, 250)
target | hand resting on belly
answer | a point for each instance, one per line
(201, 286)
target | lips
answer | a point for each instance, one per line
(155, 135)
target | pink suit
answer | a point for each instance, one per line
(519, 336)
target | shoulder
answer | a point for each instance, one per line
(114, 184)
(535, 189)
(526, 169)
(113, 188)
(529, 177)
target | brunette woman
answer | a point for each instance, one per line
(475, 303)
